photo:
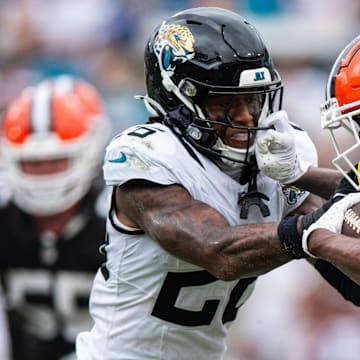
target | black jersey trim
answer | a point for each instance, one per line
(111, 214)
(296, 126)
(189, 149)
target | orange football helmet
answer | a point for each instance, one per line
(341, 110)
(60, 118)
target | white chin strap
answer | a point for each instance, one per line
(238, 155)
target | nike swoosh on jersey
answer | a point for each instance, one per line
(120, 159)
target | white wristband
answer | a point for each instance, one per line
(304, 239)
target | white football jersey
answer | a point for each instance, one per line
(148, 304)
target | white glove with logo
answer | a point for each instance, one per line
(275, 150)
(332, 219)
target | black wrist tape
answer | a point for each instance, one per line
(289, 237)
(310, 218)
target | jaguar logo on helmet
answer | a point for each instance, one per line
(173, 42)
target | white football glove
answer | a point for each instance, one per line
(275, 150)
(332, 219)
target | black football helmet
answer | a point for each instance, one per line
(201, 52)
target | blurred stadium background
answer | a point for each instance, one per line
(293, 314)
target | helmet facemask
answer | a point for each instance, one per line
(52, 193)
(59, 120)
(340, 113)
(258, 105)
(343, 123)
(191, 120)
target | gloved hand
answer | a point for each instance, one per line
(332, 219)
(275, 150)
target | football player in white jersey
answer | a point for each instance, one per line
(340, 114)
(53, 139)
(192, 221)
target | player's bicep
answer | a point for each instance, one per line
(138, 200)
(168, 214)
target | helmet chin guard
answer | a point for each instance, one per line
(238, 156)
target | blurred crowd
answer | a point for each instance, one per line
(293, 314)
(103, 40)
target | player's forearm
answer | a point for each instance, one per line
(340, 250)
(250, 250)
(227, 252)
(197, 233)
(320, 181)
